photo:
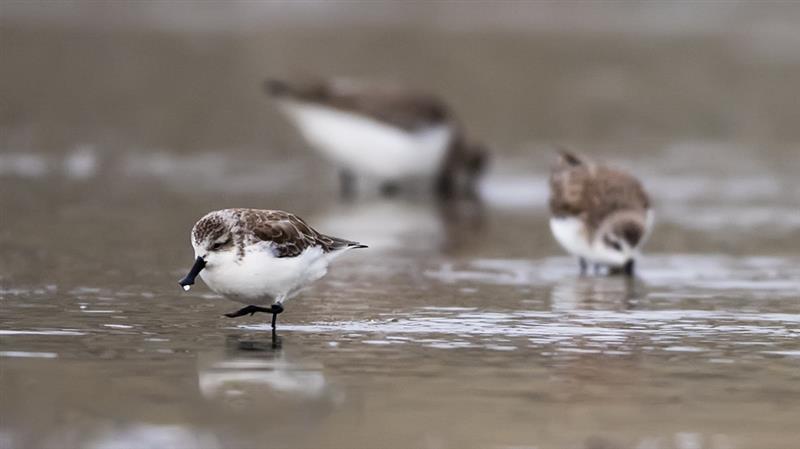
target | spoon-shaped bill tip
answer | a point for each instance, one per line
(186, 282)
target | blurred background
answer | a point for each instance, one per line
(683, 93)
(185, 76)
(121, 123)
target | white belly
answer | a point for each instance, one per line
(572, 235)
(369, 147)
(262, 279)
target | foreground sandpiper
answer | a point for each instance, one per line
(387, 133)
(599, 214)
(260, 257)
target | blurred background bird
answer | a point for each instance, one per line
(600, 214)
(383, 132)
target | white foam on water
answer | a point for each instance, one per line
(25, 165)
(155, 436)
(577, 330)
(380, 342)
(81, 164)
(786, 353)
(26, 354)
(49, 332)
(683, 349)
(118, 326)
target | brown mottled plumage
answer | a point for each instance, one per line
(592, 192)
(287, 233)
(260, 257)
(391, 104)
(600, 214)
(403, 108)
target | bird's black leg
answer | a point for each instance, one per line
(444, 186)
(249, 310)
(584, 265)
(629, 268)
(347, 184)
(390, 188)
(275, 310)
(276, 341)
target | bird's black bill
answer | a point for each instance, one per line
(188, 280)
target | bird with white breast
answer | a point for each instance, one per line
(260, 258)
(600, 214)
(391, 134)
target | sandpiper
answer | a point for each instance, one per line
(600, 214)
(260, 257)
(387, 133)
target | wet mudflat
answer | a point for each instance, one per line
(462, 326)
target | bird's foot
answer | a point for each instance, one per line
(274, 309)
(277, 343)
(249, 310)
(584, 266)
(390, 189)
(629, 269)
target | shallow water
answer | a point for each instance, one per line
(458, 328)
(462, 325)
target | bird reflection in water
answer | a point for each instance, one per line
(249, 374)
(400, 224)
(596, 293)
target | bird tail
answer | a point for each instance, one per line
(340, 244)
(277, 88)
(568, 157)
(345, 247)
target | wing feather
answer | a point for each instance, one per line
(592, 192)
(393, 105)
(288, 234)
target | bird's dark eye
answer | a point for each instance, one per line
(218, 245)
(613, 244)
